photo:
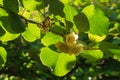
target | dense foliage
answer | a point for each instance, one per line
(60, 39)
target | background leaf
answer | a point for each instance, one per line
(81, 22)
(12, 5)
(58, 29)
(55, 7)
(109, 48)
(17, 25)
(2, 32)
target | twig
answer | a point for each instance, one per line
(31, 21)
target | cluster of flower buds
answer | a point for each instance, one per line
(70, 44)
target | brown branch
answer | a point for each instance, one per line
(90, 48)
(31, 21)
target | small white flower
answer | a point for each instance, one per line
(75, 35)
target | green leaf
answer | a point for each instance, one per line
(55, 7)
(60, 63)
(117, 57)
(81, 22)
(58, 29)
(2, 32)
(64, 64)
(32, 33)
(12, 5)
(116, 41)
(69, 25)
(92, 55)
(17, 25)
(31, 5)
(8, 37)
(109, 48)
(12, 22)
(51, 38)
(3, 56)
(70, 12)
(4, 23)
(66, 1)
(1, 2)
(3, 12)
(96, 38)
(105, 1)
(97, 20)
(49, 57)
(112, 67)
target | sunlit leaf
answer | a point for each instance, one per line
(66, 1)
(97, 20)
(32, 33)
(31, 5)
(3, 12)
(96, 38)
(8, 37)
(60, 63)
(49, 57)
(3, 56)
(92, 55)
(1, 2)
(70, 12)
(51, 38)
(104, 1)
